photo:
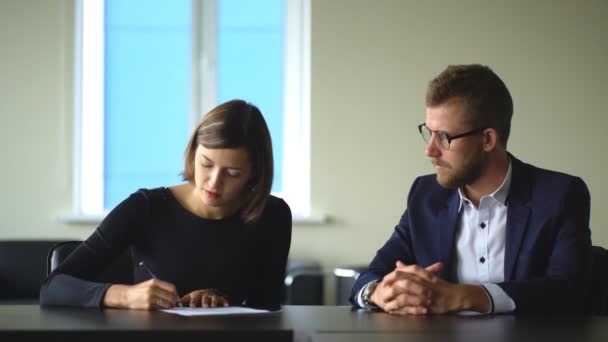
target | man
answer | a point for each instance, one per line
(488, 233)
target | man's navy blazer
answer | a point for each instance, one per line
(548, 240)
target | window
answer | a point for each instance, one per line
(148, 70)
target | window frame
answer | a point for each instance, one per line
(88, 181)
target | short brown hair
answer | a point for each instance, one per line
(235, 124)
(488, 101)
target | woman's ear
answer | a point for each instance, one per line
(251, 185)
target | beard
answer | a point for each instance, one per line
(454, 178)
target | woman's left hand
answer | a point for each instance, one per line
(206, 298)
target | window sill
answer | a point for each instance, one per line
(86, 219)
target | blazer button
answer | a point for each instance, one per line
(482, 260)
(482, 225)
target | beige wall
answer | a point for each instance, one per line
(371, 61)
(36, 63)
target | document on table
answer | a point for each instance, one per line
(231, 310)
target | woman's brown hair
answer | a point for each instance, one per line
(235, 124)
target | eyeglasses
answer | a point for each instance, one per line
(444, 138)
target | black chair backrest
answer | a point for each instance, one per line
(599, 285)
(22, 269)
(58, 253)
(303, 284)
(119, 272)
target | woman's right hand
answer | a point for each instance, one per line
(150, 295)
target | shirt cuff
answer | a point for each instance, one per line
(359, 298)
(501, 302)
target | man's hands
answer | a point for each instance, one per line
(407, 290)
(413, 290)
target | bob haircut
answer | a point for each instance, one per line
(236, 124)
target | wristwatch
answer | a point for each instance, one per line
(367, 293)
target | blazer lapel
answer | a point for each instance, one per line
(517, 223)
(517, 214)
(447, 219)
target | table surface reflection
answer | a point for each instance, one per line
(300, 323)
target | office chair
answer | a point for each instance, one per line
(346, 276)
(120, 272)
(22, 270)
(599, 284)
(303, 283)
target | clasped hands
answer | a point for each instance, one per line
(155, 294)
(413, 290)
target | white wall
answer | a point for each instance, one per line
(371, 62)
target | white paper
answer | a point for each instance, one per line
(231, 310)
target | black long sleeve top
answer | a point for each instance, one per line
(245, 261)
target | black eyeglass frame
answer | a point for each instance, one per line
(444, 136)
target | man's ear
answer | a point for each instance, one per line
(490, 139)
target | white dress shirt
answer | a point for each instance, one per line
(480, 246)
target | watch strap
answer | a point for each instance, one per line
(367, 292)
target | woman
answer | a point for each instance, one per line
(220, 239)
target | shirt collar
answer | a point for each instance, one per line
(500, 194)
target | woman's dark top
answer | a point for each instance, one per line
(245, 261)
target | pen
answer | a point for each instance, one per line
(151, 274)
